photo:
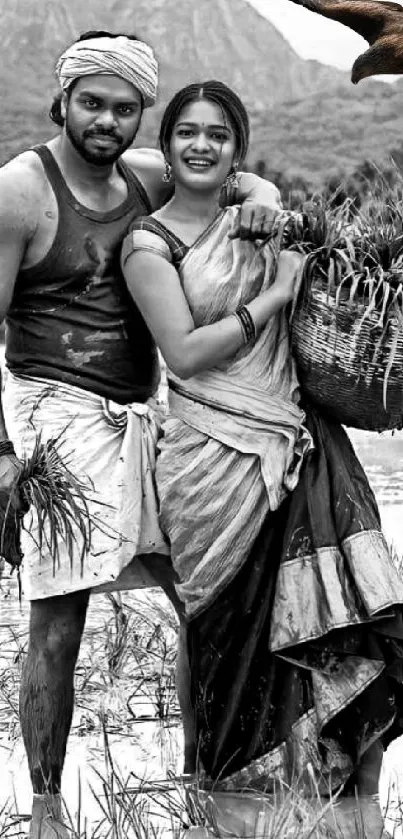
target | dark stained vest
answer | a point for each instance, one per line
(71, 318)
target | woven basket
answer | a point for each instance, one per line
(349, 354)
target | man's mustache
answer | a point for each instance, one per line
(100, 132)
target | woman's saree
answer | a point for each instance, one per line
(294, 604)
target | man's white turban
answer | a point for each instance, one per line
(131, 60)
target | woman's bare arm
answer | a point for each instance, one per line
(188, 349)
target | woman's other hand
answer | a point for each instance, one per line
(289, 267)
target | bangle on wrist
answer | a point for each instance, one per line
(6, 447)
(236, 316)
(247, 323)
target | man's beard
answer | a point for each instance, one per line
(100, 157)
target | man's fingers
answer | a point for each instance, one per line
(234, 232)
(255, 222)
(262, 224)
(244, 223)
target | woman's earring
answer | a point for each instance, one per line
(168, 173)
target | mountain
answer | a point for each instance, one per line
(331, 133)
(193, 39)
(306, 117)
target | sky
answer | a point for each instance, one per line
(313, 36)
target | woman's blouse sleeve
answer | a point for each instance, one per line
(144, 240)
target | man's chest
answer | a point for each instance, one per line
(70, 221)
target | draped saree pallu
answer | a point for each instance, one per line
(294, 604)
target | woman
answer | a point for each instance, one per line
(293, 604)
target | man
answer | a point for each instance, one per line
(82, 362)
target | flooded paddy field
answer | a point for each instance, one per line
(126, 734)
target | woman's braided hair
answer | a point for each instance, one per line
(212, 91)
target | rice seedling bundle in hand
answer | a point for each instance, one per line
(347, 319)
(57, 498)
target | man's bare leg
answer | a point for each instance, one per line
(46, 702)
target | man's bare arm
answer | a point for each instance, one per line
(149, 166)
(252, 187)
(16, 228)
(261, 205)
(259, 199)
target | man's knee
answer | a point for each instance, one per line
(56, 626)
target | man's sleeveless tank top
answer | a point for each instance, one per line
(72, 319)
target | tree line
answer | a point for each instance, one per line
(358, 186)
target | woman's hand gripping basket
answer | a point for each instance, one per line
(347, 321)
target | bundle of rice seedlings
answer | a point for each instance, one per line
(347, 318)
(57, 498)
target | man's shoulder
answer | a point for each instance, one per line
(149, 166)
(22, 190)
(22, 178)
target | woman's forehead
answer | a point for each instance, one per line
(205, 112)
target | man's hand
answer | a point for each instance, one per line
(11, 509)
(10, 470)
(260, 207)
(255, 221)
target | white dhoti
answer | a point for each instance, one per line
(110, 449)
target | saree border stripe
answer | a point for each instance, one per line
(333, 588)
